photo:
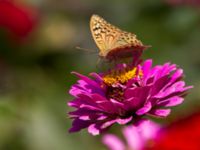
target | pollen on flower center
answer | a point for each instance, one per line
(121, 76)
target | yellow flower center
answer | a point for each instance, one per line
(121, 76)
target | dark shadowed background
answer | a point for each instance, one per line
(37, 54)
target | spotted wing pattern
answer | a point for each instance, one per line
(108, 37)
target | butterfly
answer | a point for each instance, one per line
(113, 42)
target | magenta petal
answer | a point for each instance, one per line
(84, 117)
(78, 124)
(139, 92)
(108, 123)
(113, 142)
(86, 99)
(89, 107)
(93, 99)
(83, 87)
(147, 129)
(85, 114)
(177, 75)
(145, 109)
(146, 68)
(173, 101)
(160, 112)
(76, 90)
(81, 112)
(133, 137)
(102, 117)
(151, 75)
(124, 121)
(118, 106)
(86, 79)
(159, 84)
(187, 88)
(95, 75)
(93, 129)
(176, 88)
(132, 104)
(74, 103)
(98, 98)
(108, 107)
(166, 69)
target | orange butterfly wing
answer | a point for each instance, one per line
(112, 41)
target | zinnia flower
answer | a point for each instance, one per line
(137, 136)
(124, 94)
(183, 134)
(17, 19)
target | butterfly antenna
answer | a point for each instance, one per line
(86, 50)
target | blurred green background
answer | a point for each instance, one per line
(37, 54)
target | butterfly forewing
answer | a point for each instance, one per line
(104, 34)
(108, 37)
